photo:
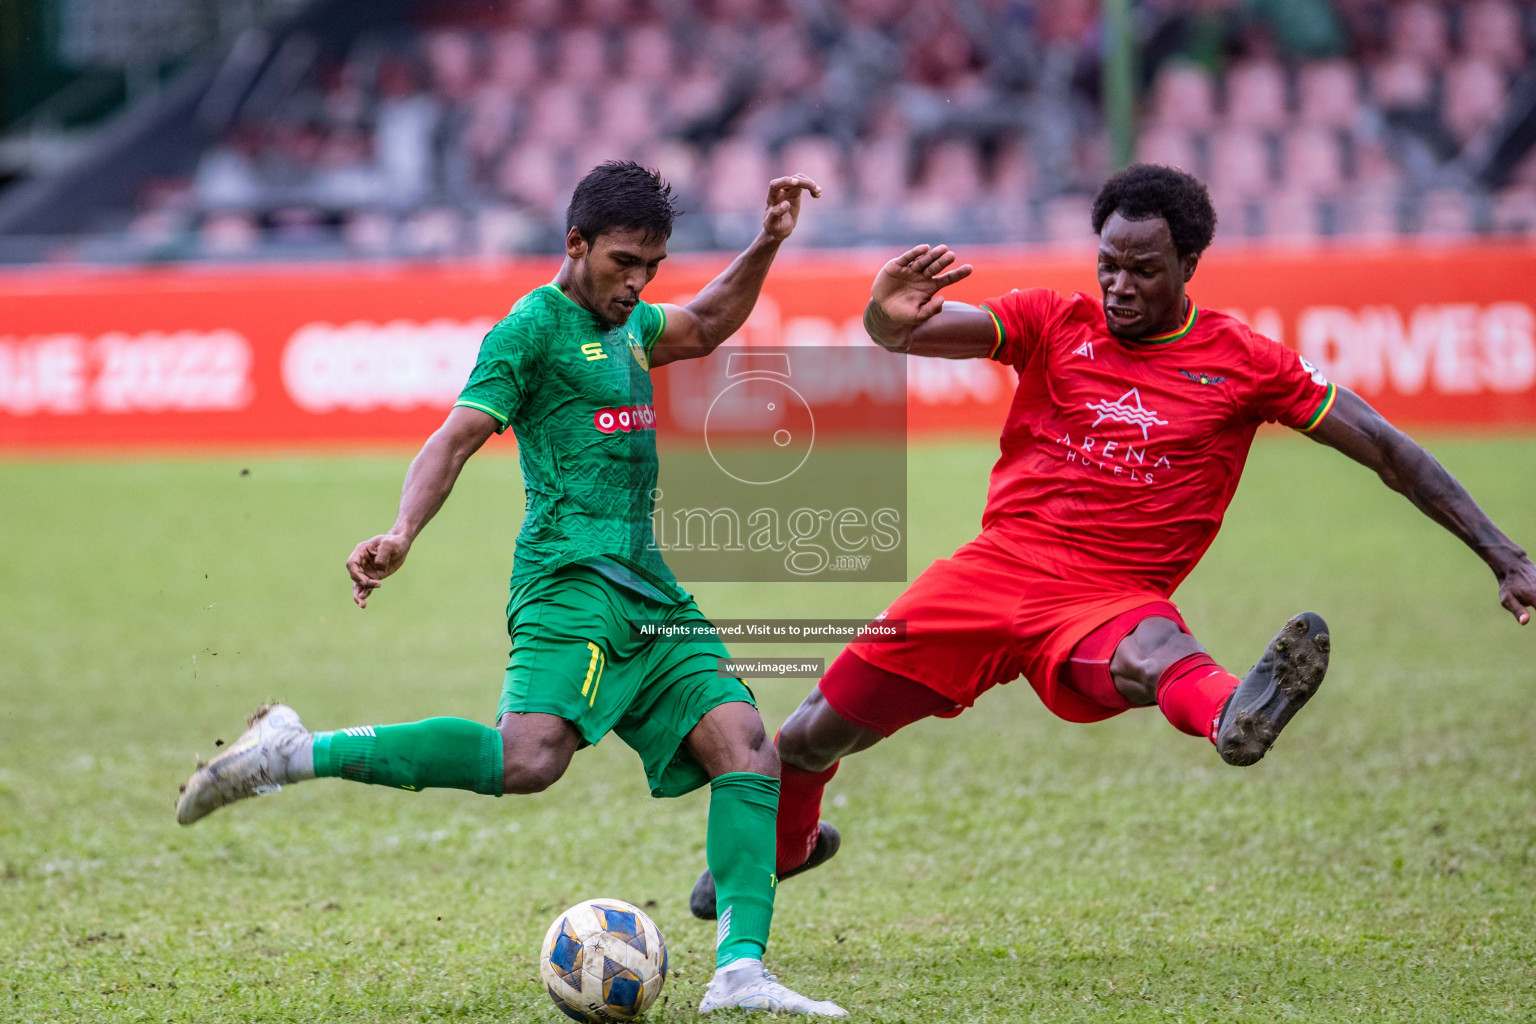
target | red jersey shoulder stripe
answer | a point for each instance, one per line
(1322, 410)
(997, 323)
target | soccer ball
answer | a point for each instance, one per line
(603, 960)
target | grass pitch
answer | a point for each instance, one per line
(1004, 866)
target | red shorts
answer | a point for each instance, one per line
(985, 617)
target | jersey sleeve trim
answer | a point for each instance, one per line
(466, 403)
(1322, 410)
(660, 330)
(997, 323)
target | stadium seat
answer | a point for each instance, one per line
(1514, 212)
(228, 234)
(1069, 221)
(1328, 94)
(368, 233)
(607, 13)
(626, 112)
(531, 175)
(501, 230)
(822, 159)
(699, 94)
(1420, 32)
(1256, 95)
(492, 114)
(1172, 146)
(1184, 96)
(540, 14)
(514, 62)
(591, 151)
(648, 54)
(1370, 215)
(451, 60)
(557, 115)
(1474, 97)
(1401, 83)
(582, 56)
(1013, 173)
(677, 161)
(738, 174)
(949, 183)
(880, 169)
(1524, 173)
(1313, 163)
(951, 169)
(1445, 216)
(435, 231)
(1491, 30)
(1292, 218)
(1240, 164)
(1374, 166)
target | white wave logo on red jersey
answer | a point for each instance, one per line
(625, 418)
(1127, 409)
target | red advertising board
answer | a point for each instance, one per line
(298, 356)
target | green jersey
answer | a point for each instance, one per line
(577, 393)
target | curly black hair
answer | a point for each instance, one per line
(622, 195)
(1143, 191)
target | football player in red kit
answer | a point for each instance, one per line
(1121, 451)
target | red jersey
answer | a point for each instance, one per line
(1119, 458)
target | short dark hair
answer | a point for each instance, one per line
(1144, 191)
(622, 195)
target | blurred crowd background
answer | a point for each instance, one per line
(257, 129)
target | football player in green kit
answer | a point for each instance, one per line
(568, 369)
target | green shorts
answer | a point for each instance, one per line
(575, 655)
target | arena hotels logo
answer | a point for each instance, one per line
(1119, 458)
(1127, 409)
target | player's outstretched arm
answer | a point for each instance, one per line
(427, 485)
(717, 312)
(1363, 434)
(907, 314)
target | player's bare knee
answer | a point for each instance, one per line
(535, 751)
(749, 749)
(533, 773)
(1142, 657)
(532, 767)
(762, 757)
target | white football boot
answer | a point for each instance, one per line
(254, 765)
(747, 985)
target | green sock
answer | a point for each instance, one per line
(443, 753)
(739, 846)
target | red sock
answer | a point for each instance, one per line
(1192, 691)
(799, 812)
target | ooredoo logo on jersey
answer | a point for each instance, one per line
(625, 418)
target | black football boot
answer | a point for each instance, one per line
(1285, 678)
(702, 900)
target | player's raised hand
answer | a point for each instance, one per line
(784, 204)
(374, 559)
(1517, 590)
(906, 289)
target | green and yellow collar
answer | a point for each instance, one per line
(1174, 335)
